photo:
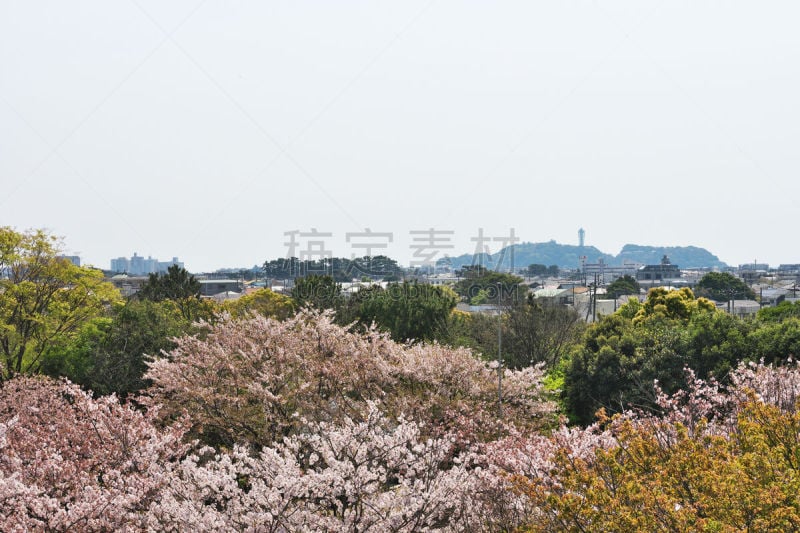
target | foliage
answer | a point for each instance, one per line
(623, 285)
(499, 287)
(339, 268)
(624, 352)
(780, 312)
(536, 269)
(262, 302)
(175, 284)
(777, 342)
(109, 354)
(717, 342)
(481, 298)
(477, 331)
(178, 286)
(43, 298)
(255, 380)
(320, 292)
(407, 310)
(663, 304)
(380, 436)
(723, 286)
(714, 461)
(537, 331)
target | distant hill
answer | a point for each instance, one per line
(683, 256)
(568, 256)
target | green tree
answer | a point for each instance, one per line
(477, 331)
(321, 292)
(776, 342)
(624, 353)
(717, 342)
(499, 287)
(780, 312)
(180, 287)
(480, 299)
(536, 269)
(539, 332)
(43, 298)
(623, 285)
(262, 302)
(723, 286)
(175, 284)
(407, 310)
(110, 353)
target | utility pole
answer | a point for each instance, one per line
(499, 355)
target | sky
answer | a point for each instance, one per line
(225, 133)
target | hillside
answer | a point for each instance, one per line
(568, 256)
(683, 256)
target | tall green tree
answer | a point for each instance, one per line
(110, 353)
(780, 312)
(321, 292)
(537, 269)
(261, 302)
(723, 286)
(407, 310)
(180, 287)
(43, 298)
(539, 332)
(623, 285)
(498, 287)
(175, 284)
(625, 352)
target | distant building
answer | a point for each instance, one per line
(752, 272)
(606, 273)
(74, 259)
(740, 308)
(788, 270)
(213, 287)
(663, 271)
(139, 266)
(770, 296)
(758, 267)
(127, 285)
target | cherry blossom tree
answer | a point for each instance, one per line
(358, 476)
(255, 381)
(69, 462)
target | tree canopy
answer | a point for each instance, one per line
(408, 310)
(175, 284)
(498, 287)
(43, 297)
(723, 286)
(536, 269)
(623, 285)
(321, 292)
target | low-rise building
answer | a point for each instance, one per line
(212, 287)
(661, 272)
(740, 308)
(127, 285)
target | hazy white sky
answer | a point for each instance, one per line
(208, 129)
